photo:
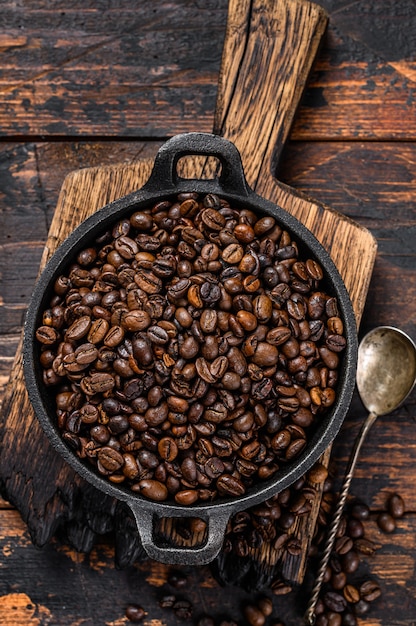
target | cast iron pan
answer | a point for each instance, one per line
(164, 182)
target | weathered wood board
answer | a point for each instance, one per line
(269, 50)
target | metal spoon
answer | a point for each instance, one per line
(386, 374)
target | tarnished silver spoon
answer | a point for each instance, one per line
(386, 374)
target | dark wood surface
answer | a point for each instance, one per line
(87, 84)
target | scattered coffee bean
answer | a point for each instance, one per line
(135, 613)
(254, 615)
(395, 506)
(386, 522)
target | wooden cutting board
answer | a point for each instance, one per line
(268, 52)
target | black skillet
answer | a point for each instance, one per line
(164, 182)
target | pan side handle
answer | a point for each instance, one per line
(146, 519)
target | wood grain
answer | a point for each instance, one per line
(352, 147)
(258, 55)
(83, 72)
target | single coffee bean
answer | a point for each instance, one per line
(110, 459)
(370, 591)
(265, 605)
(47, 335)
(360, 511)
(183, 609)
(386, 522)
(153, 489)
(135, 613)
(351, 594)
(254, 615)
(78, 329)
(228, 485)
(395, 506)
(334, 601)
(167, 449)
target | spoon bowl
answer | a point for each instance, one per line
(386, 369)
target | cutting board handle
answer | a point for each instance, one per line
(269, 49)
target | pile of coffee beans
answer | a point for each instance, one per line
(348, 591)
(191, 350)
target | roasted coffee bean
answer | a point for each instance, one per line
(343, 544)
(110, 459)
(335, 602)
(167, 601)
(395, 506)
(202, 350)
(183, 609)
(254, 615)
(135, 613)
(229, 486)
(386, 522)
(167, 449)
(178, 579)
(369, 591)
(351, 594)
(360, 511)
(265, 605)
(280, 588)
(78, 329)
(350, 562)
(153, 489)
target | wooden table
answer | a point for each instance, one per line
(82, 87)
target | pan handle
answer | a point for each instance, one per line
(178, 555)
(165, 176)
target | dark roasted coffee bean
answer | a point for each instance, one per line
(86, 354)
(47, 335)
(334, 602)
(110, 459)
(343, 545)
(178, 580)
(78, 329)
(369, 591)
(135, 320)
(348, 619)
(254, 615)
(229, 486)
(386, 522)
(183, 609)
(360, 511)
(167, 601)
(395, 506)
(213, 219)
(135, 613)
(350, 562)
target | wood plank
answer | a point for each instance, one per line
(356, 92)
(60, 586)
(127, 70)
(74, 74)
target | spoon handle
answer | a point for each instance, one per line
(310, 616)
